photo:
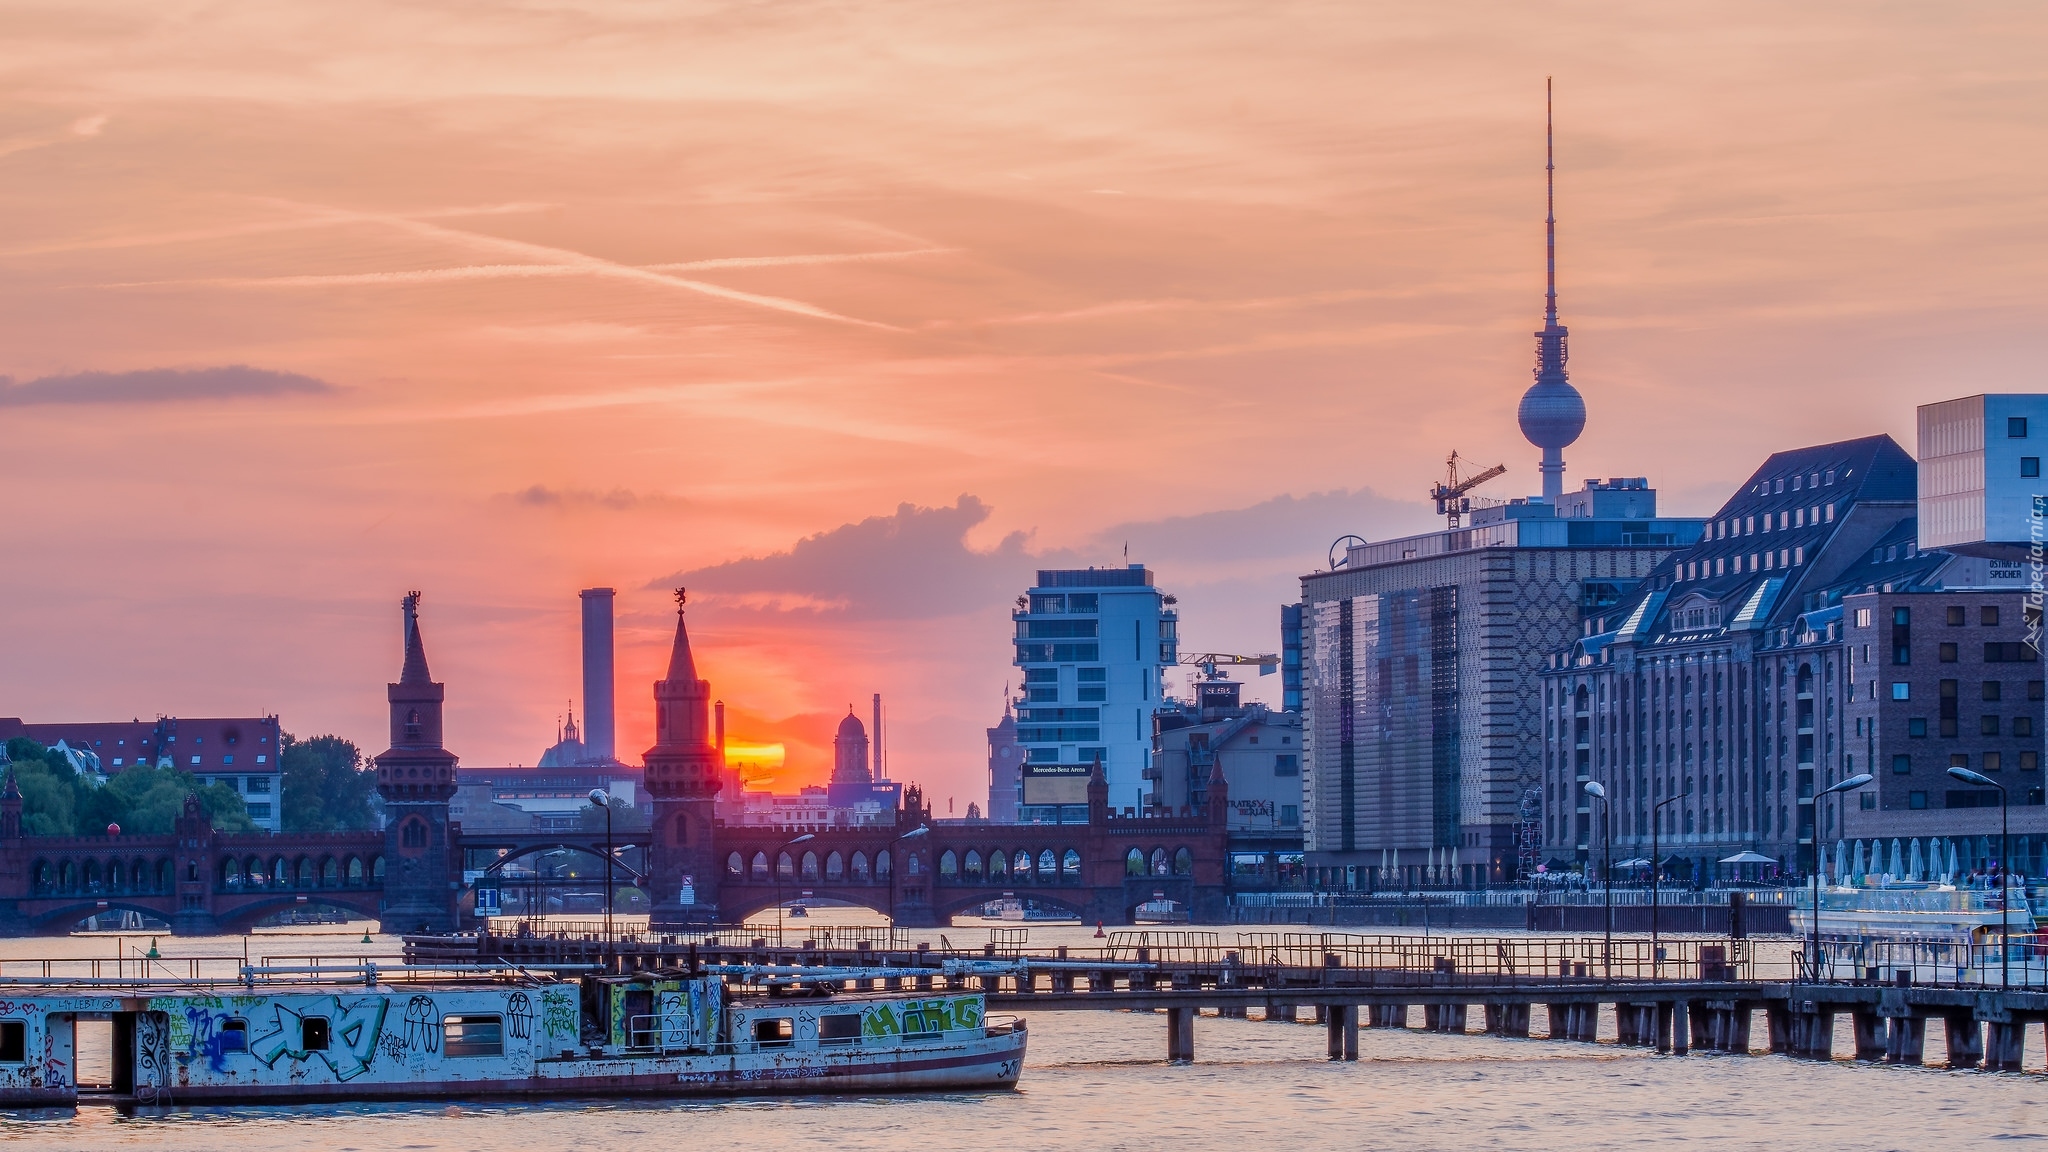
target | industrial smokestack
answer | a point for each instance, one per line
(879, 773)
(599, 734)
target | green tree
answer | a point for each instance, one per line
(56, 801)
(327, 786)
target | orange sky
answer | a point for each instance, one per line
(545, 296)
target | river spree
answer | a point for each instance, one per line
(1096, 1081)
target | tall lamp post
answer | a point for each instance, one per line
(603, 800)
(2004, 868)
(793, 866)
(913, 834)
(1856, 781)
(1657, 873)
(1599, 792)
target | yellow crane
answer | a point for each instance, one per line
(1450, 497)
(1208, 662)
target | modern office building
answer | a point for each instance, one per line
(1420, 679)
(1980, 473)
(1094, 644)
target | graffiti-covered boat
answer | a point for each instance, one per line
(313, 1038)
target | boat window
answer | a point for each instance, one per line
(234, 1034)
(313, 1034)
(839, 1028)
(774, 1032)
(473, 1035)
(13, 1041)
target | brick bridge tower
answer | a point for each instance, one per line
(416, 778)
(684, 771)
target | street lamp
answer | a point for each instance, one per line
(914, 833)
(1599, 792)
(1656, 872)
(778, 880)
(2004, 867)
(1857, 781)
(603, 799)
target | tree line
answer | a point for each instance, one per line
(326, 788)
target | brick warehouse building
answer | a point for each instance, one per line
(1740, 681)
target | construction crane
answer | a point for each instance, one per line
(1450, 497)
(1208, 662)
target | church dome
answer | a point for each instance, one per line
(851, 726)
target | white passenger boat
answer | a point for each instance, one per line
(396, 1035)
(1930, 932)
(1910, 911)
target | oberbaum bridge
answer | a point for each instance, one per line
(1675, 996)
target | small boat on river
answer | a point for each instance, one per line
(293, 1037)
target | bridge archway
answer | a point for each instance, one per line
(622, 872)
(951, 903)
(735, 904)
(363, 905)
(62, 920)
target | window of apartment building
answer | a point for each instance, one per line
(1959, 759)
(1950, 720)
(1286, 765)
(2016, 427)
(259, 784)
(1916, 800)
(2023, 725)
(2030, 466)
(1992, 689)
(1949, 653)
(1993, 762)
(1955, 615)
(1901, 690)
(1902, 764)
(1916, 726)
(1869, 800)
(2033, 689)
(1987, 726)
(2030, 761)
(1988, 615)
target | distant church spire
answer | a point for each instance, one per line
(682, 666)
(1552, 413)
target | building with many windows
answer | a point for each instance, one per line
(1422, 703)
(1806, 638)
(240, 753)
(1094, 644)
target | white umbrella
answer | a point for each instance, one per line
(1954, 867)
(1898, 860)
(1858, 870)
(1917, 864)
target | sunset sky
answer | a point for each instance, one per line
(851, 315)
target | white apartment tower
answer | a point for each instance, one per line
(1094, 645)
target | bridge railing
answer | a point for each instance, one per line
(1670, 896)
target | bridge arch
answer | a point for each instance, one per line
(621, 871)
(59, 921)
(362, 903)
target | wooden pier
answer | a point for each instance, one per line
(1699, 996)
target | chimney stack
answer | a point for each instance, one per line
(879, 773)
(600, 738)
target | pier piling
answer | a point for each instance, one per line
(1965, 1040)
(1180, 1035)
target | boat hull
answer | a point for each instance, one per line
(992, 1063)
